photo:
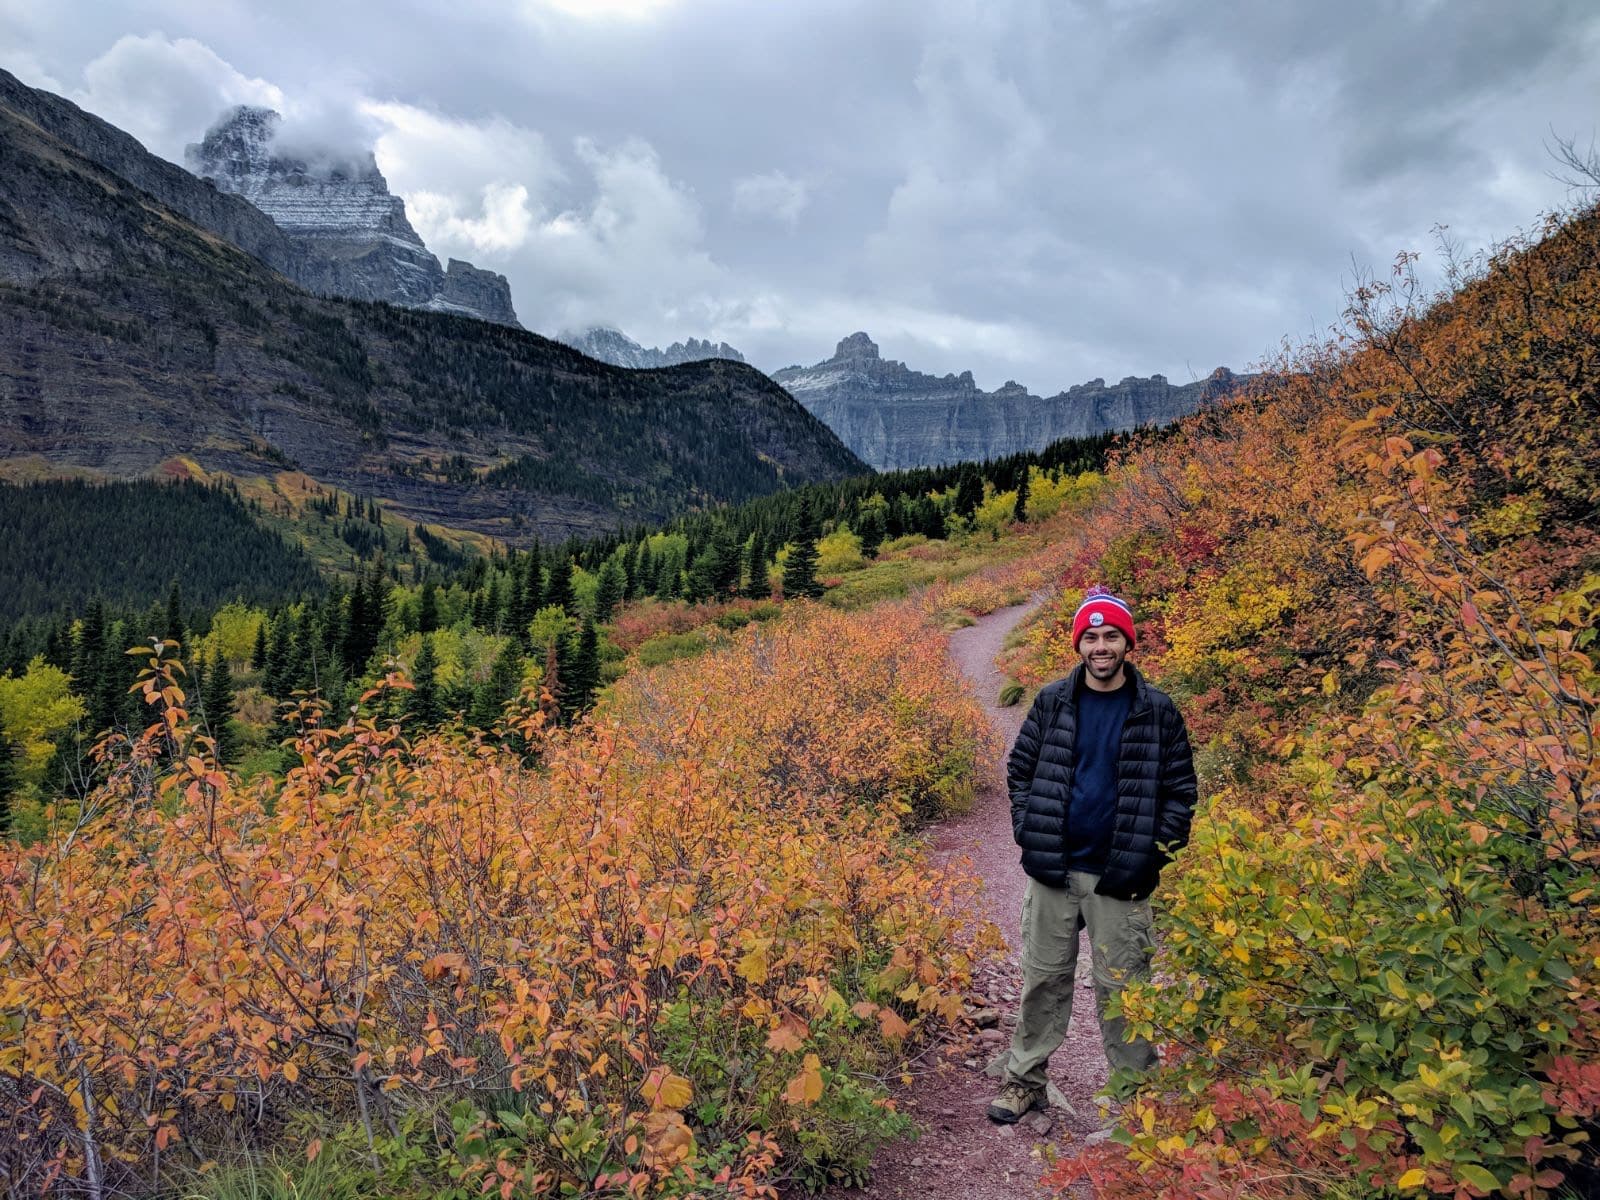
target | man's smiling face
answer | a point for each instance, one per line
(1103, 648)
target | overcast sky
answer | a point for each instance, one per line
(1039, 190)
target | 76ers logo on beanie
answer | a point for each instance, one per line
(1101, 608)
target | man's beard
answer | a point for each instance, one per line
(1108, 672)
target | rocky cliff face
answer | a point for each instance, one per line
(473, 291)
(617, 348)
(230, 217)
(339, 213)
(894, 417)
(132, 338)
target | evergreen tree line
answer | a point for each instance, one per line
(522, 606)
(68, 540)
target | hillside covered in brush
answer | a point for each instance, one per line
(130, 334)
(1374, 588)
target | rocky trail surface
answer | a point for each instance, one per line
(961, 1154)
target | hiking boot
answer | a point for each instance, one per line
(1014, 1100)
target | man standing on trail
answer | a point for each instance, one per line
(1102, 791)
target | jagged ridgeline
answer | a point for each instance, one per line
(67, 541)
(133, 329)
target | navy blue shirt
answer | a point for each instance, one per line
(1092, 806)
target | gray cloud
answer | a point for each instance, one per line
(1032, 189)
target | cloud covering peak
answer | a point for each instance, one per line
(1031, 189)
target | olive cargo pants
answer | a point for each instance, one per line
(1121, 943)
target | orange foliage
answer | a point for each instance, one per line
(713, 869)
(1373, 585)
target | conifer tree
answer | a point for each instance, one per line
(670, 585)
(518, 597)
(366, 617)
(1019, 510)
(608, 593)
(969, 491)
(630, 572)
(174, 629)
(699, 579)
(800, 568)
(725, 564)
(497, 606)
(533, 586)
(8, 780)
(560, 592)
(869, 527)
(642, 579)
(757, 586)
(194, 689)
(425, 705)
(493, 694)
(258, 656)
(894, 517)
(276, 680)
(217, 702)
(58, 646)
(89, 651)
(583, 677)
(428, 607)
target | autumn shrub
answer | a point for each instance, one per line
(668, 957)
(1373, 586)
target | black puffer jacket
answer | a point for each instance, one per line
(1155, 788)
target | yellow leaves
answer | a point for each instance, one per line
(753, 963)
(664, 1089)
(806, 1087)
(1413, 1178)
(291, 1072)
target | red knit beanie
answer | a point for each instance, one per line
(1100, 608)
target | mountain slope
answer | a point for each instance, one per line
(894, 417)
(129, 335)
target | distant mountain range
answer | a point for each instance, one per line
(340, 214)
(617, 348)
(148, 319)
(894, 417)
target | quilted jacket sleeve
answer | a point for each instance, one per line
(1024, 758)
(1179, 788)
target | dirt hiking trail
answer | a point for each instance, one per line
(961, 1154)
